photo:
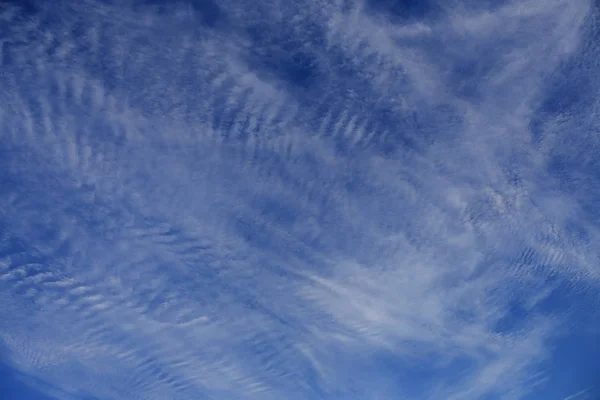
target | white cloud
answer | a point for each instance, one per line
(189, 225)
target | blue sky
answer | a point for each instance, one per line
(299, 200)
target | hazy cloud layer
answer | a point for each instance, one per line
(297, 200)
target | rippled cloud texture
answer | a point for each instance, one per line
(299, 199)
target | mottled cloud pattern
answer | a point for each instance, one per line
(297, 199)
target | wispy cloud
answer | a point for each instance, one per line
(578, 394)
(300, 200)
